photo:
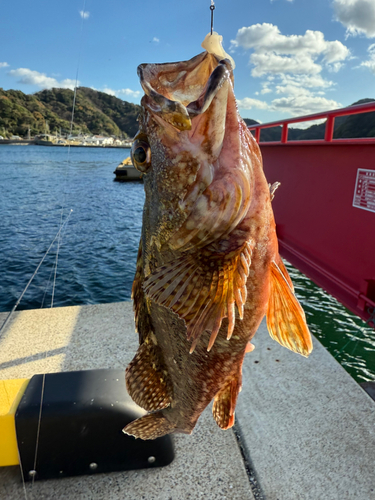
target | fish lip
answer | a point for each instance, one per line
(215, 82)
(179, 112)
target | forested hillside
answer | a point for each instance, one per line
(51, 110)
(100, 113)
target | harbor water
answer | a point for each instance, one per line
(42, 186)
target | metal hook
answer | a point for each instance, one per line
(212, 8)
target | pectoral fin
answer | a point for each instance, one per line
(284, 272)
(141, 313)
(203, 290)
(286, 320)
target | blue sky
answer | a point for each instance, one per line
(292, 57)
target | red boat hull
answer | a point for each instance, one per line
(320, 231)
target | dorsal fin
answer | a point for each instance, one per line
(286, 320)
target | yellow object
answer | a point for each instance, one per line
(11, 392)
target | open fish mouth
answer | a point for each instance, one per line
(177, 92)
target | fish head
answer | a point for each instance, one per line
(189, 140)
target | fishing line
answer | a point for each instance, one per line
(212, 8)
(78, 64)
(59, 234)
(46, 290)
(53, 269)
(56, 262)
(33, 276)
(22, 476)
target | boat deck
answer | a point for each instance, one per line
(305, 427)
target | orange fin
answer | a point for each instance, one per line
(147, 379)
(281, 265)
(286, 320)
(149, 427)
(225, 403)
(203, 290)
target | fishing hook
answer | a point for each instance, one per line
(212, 8)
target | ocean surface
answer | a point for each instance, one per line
(42, 186)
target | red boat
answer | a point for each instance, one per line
(325, 207)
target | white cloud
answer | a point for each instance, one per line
(291, 66)
(84, 14)
(370, 64)
(305, 125)
(156, 40)
(122, 92)
(303, 103)
(269, 62)
(358, 16)
(4, 65)
(249, 103)
(297, 52)
(29, 77)
(266, 90)
(309, 81)
(297, 101)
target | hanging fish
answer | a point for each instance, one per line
(208, 267)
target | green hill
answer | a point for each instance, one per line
(51, 110)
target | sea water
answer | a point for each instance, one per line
(39, 186)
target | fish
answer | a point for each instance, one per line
(208, 266)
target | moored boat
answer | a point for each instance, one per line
(125, 171)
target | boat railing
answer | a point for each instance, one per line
(329, 116)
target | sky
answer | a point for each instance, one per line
(293, 57)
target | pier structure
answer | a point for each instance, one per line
(305, 430)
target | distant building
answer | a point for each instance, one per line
(104, 141)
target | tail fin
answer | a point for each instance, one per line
(150, 426)
(286, 319)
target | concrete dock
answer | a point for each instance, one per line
(305, 430)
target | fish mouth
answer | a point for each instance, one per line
(177, 92)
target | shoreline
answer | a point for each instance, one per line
(9, 142)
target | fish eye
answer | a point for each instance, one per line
(141, 155)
